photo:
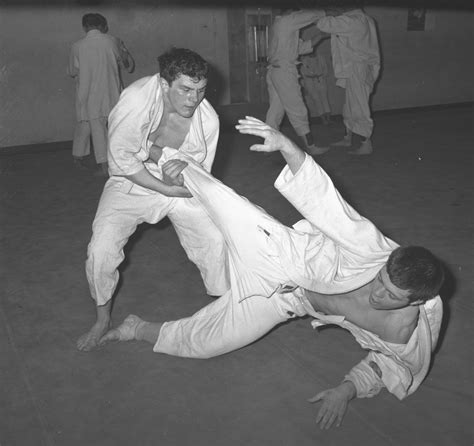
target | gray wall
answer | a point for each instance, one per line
(428, 67)
(37, 97)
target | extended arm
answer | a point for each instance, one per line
(274, 141)
(309, 189)
(341, 24)
(305, 17)
(363, 381)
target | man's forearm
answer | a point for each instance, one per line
(293, 156)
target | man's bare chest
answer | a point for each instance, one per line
(391, 326)
(170, 133)
(355, 309)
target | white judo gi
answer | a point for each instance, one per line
(94, 63)
(124, 204)
(356, 62)
(284, 90)
(333, 250)
(314, 71)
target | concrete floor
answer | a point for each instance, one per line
(417, 187)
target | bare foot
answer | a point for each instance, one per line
(365, 149)
(90, 340)
(127, 331)
(345, 142)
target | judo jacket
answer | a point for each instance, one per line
(138, 113)
(354, 45)
(335, 250)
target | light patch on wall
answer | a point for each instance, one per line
(430, 21)
(416, 19)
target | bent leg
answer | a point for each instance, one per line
(244, 226)
(121, 209)
(225, 325)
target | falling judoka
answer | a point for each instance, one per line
(334, 265)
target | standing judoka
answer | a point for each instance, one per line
(284, 89)
(334, 265)
(356, 61)
(166, 110)
(95, 62)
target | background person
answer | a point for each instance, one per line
(356, 63)
(95, 62)
(284, 89)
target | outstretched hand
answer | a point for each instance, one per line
(273, 139)
(334, 404)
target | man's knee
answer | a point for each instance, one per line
(103, 253)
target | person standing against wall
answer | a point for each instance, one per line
(95, 62)
(356, 62)
(314, 71)
(284, 89)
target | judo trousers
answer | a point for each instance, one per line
(254, 303)
(122, 207)
(285, 95)
(95, 129)
(356, 110)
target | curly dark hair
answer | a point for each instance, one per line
(416, 269)
(181, 61)
(93, 20)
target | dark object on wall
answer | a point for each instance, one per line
(416, 19)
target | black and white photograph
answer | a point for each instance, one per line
(236, 223)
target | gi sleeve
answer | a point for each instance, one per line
(73, 64)
(377, 371)
(312, 193)
(300, 19)
(342, 25)
(128, 125)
